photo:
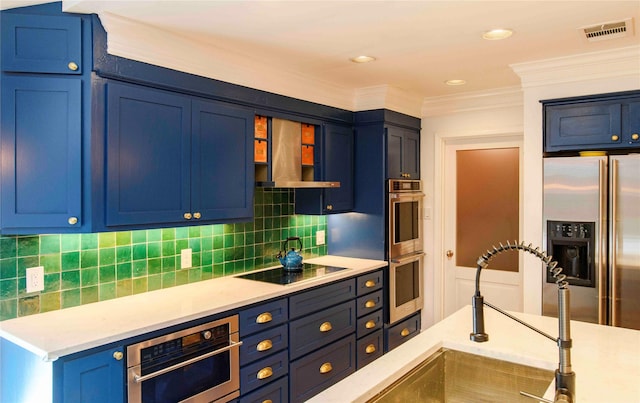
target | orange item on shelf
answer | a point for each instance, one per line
(261, 127)
(260, 151)
(307, 155)
(308, 134)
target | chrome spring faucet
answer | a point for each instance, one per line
(564, 376)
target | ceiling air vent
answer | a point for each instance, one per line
(608, 30)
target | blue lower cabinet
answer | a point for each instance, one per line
(262, 344)
(275, 392)
(263, 316)
(402, 331)
(369, 348)
(369, 323)
(317, 371)
(95, 378)
(263, 372)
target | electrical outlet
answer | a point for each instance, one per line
(185, 258)
(319, 237)
(35, 279)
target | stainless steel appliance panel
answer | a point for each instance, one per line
(405, 217)
(573, 189)
(624, 241)
(406, 291)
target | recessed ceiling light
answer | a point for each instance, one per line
(497, 34)
(455, 82)
(362, 59)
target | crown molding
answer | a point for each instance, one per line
(387, 97)
(614, 63)
(506, 97)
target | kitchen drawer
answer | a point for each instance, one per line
(369, 282)
(317, 371)
(369, 323)
(369, 303)
(263, 316)
(402, 331)
(275, 392)
(265, 343)
(319, 329)
(321, 298)
(264, 371)
(369, 348)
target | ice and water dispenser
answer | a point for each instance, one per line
(572, 245)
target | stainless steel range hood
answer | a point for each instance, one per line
(286, 157)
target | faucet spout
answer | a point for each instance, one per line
(564, 376)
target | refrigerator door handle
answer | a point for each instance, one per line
(601, 244)
(613, 246)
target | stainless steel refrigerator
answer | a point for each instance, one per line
(592, 228)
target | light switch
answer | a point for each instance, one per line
(320, 237)
(185, 258)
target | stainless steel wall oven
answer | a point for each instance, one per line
(199, 364)
(405, 248)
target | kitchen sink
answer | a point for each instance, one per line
(455, 376)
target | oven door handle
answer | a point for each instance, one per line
(406, 258)
(140, 379)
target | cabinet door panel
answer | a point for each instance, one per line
(41, 143)
(338, 166)
(394, 153)
(222, 166)
(580, 127)
(97, 378)
(41, 44)
(148, 155)
(411, 154)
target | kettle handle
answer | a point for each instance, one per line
(292, 238)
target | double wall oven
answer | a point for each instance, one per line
(195, 365)
(405, 248)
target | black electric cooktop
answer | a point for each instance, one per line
(279, 275)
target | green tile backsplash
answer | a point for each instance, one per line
(84, 268)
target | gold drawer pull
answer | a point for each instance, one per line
(370, 283)
(264, 345)
(267, 401)
(118, 355)
(370, 304)
(615, 137)
(405, 332)
(264, 318)
(264, 373)
(370, 349)
(370, 324)
(326, 368)
(325, 327)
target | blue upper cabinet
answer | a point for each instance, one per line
(41, 44)
(602, 122)
(403, 153)
(174, 159)
(334, 163)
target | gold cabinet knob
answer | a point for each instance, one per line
(326, 368)
(370, 324)
(117, 355)
(449, 254)
(264, 345)
(615, 137)
(267, 401)
(635, 136)
(187, 216)
(370, 304)
(72, 220)
(329, 207)
(264, 373)
(405, 332)
(197, 215)
(264, 318)
(325, 327)
(370, 284)
(370, 349)
(72, 66)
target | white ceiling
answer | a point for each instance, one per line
(418, 44)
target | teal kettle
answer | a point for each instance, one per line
(292, 260)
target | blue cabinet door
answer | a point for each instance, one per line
(96, 378)
(41, 153)
(41, 44)
(222, 173)
(403, 153)
(148, 156)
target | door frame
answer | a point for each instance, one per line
(441, 140)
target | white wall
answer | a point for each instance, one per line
(512, 111)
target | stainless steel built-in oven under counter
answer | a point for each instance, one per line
(405, 248)
(195, 365)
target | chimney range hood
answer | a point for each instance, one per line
(286, 159)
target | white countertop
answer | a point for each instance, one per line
(606, 360)
(58, 333)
